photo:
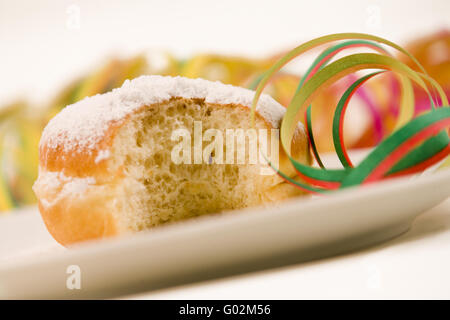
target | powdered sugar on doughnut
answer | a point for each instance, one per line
(102, 155)
(50, 184)
(83, 124)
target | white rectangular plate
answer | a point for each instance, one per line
(33, 265)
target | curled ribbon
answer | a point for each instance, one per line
(414, 145)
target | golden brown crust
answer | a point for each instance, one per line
(71, 221)
(80, 162)
(75, 218)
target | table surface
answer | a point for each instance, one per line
(412, 266)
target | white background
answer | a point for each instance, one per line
(43, 47)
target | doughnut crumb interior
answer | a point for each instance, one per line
(106, 165)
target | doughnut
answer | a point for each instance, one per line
(111, 164)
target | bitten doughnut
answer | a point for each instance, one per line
(114, 163)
